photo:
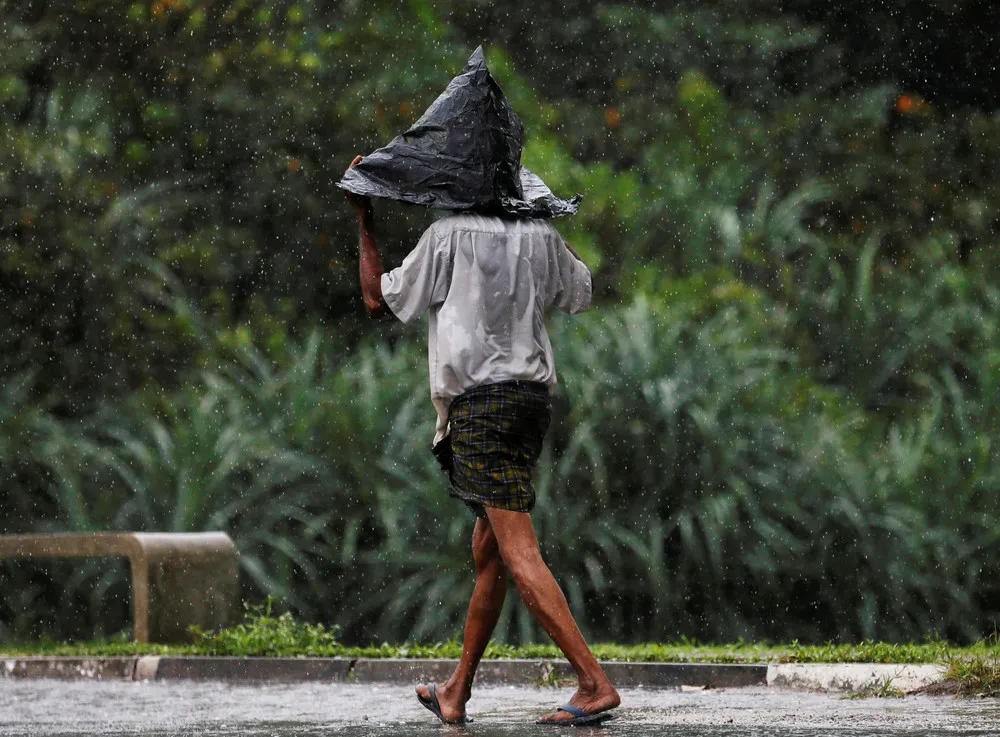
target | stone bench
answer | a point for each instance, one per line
(178, 579)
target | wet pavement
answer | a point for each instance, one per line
(47, 707)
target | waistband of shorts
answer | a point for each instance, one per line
(537, 388)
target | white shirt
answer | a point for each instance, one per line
(487, 283)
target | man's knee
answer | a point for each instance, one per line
(523, 563)
(516, 543)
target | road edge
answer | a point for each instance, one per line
(824, 677)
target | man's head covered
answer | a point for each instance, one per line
(464, 153)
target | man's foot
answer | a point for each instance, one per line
(450, 700)
(592, 700)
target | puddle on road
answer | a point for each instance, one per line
(184, 709)
(619, 730)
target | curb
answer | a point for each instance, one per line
(793, 676)
(74, 669)
(535, 672)
(244, 670)
(852, 677)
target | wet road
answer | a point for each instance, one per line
(215, 710)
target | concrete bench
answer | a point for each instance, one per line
(178, 579)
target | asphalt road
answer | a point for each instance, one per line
(47, 707)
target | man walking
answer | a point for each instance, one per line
(486, 276)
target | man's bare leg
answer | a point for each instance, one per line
(484, 612)
(515, 535)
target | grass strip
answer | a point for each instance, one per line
(975, 668)
(320, 642)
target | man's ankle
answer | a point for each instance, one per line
(458, 685)
(593, 684)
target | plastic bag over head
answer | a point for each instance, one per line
(464, 153)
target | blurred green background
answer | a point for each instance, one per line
(779, 421)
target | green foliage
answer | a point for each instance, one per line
(263, 633)
(780, 422)
(203, 139)
(932, 651)
(691, 457)
(731, 479)
(978, 677)
(880, 688)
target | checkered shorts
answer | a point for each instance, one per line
(496, 436)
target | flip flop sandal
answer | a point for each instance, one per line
(435, 708)
(580, 717)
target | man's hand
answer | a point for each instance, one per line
(362, 204)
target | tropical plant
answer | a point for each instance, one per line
(696, 483)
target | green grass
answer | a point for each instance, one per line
(231, 644)
(880, 688)
(970, 670)
(975, 676)
(265, 633)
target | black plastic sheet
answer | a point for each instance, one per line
(463, 154)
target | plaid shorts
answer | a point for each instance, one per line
(496, 437)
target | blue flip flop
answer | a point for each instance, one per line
(580, 717)
(435, 707)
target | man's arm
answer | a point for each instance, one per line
(370, 264)
(577, 257)
(573, 280)
(370, 260)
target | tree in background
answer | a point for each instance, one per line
(815, 183)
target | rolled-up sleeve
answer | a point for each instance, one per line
(420, 281)
(574, 286)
